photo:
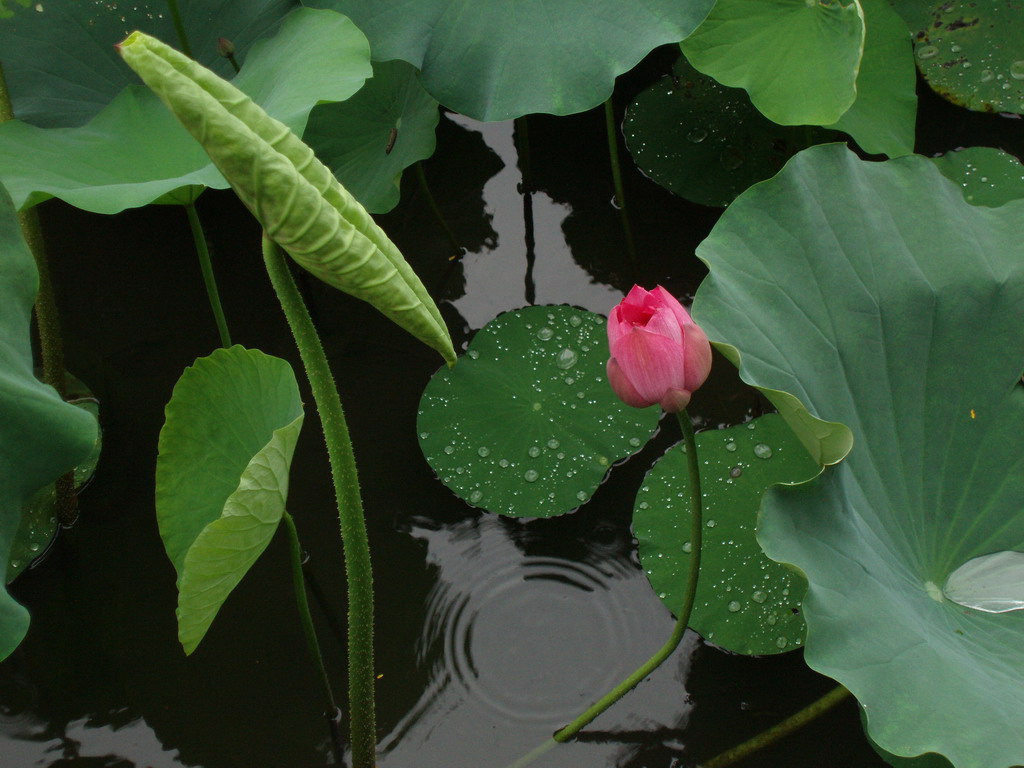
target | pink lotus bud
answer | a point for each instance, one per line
(659, 355)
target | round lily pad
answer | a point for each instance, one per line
(704, 141)
(746, 603)
(526, 424)
(989, 177)
(972, 53)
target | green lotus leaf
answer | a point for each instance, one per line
(61, 65)
(368, 140)
(970, 53)
(134, 152)
(745, 602)
(797, 59)
(42, 436)
(988, 176)
(877, 295)
(296, 199)
(6, 13)
(704, 141)
(881, 119)
(222, 475)
(526, 424)
(495, 60)
(39, 516)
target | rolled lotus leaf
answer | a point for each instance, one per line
(299, 202)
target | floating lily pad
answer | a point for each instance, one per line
(704, 141)
(881, 119)
(134, 151)
(989, 177)
(526, 424)
(972, 53)
(222, 475)
(797, 59)
(42, 436)
(745, 602)
(495, 60)
(369, 139)
(39, 517)
(889, 303)
(61, 65)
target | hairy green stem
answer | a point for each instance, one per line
(620, 194)
(179, 28)
(350, 507)
(696, 529)
(299, 583)
(202, 249)
(51, 346)
(773, 734)
(436, 210)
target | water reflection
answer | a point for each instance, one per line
(518, 640)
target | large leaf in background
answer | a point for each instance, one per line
(222, 475)
(745, 602)
(882, 117)
(495, 59)
(797, 59)
(60, 61)
(368, 140)
(704, 141)
(971, 53)
(41, 437)
(526, 424)
(135, 152)
(881, 298)
(989, 177)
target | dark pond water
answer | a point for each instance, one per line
(491, 632)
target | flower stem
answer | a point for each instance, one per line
(354, 539)
(202, 249)
(569, 731)
(179, 27)
(299, 583)
(620, 194)
(777, 732)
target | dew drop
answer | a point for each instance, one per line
(545, 333)
(530, 475)
(734, 606)
(574, 321)
(34, 546)
(553, 444)
(643, 505)
(687, 547)
(781, 642)
(537, 406)
(987, 75)
(751, 425)
(736, 471)
(473, 354)
(424, 435)
(581, 495)
(697, 135)
(927, 51)
(730, 446)
(533, 451)
(483, 451)
(566, 359)
(759, 596)
(449, 449)
(712, 523)
(581, 395)
(772, 619)
(475, 496)
(635, 442)
(503, 463)
(1017, 70)
(762, 451)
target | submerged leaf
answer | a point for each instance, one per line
(294, 196)
(222, 475)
